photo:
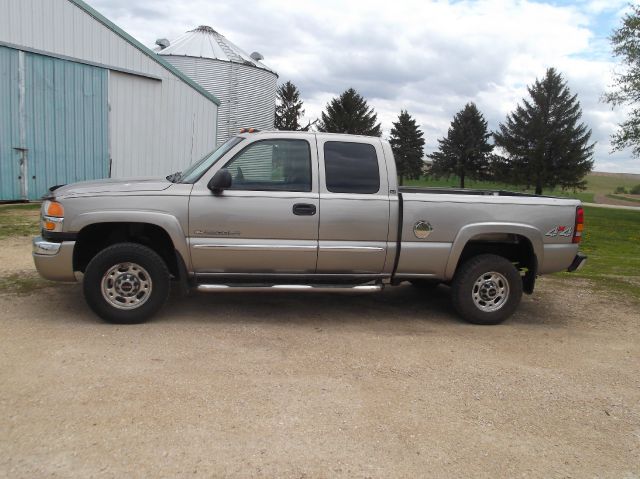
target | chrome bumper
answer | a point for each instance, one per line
(54, 261)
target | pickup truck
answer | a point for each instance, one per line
(301, 212)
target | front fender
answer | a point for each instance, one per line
(468, 232)
(167, 222)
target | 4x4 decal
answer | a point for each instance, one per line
(560, 231)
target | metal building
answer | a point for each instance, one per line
(245, 86)
(81, 99)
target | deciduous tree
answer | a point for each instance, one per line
(626, 89)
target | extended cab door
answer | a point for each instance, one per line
(267, 221)
(354, 206)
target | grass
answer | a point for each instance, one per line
(611, 240)
(22, 283)
(19, 220)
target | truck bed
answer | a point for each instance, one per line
(464, 191)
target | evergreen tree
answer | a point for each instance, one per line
(289, 108)
(349, 113)
(465, 151)
(544, 142)
(626, 46)
(407, 143)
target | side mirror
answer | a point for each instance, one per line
(220, 181)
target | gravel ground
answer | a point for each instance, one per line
(15, 256)
(390, 385)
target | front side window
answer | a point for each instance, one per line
(351, 167)
(195, 171)
(272, 165)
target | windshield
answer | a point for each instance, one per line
(195, 171)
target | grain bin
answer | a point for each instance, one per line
(244, 85)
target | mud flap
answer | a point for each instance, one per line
(529, 278)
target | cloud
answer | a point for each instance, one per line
(430, 57)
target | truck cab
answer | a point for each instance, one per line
(297, 204)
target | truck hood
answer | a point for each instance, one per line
(113, 185)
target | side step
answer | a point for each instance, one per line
(288, 288)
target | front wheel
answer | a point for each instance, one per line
(126, 283)
(486, 289)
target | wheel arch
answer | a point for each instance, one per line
(517, 242)
(160, 232)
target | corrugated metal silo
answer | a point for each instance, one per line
(245, 86)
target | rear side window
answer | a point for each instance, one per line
(351, 167)
(272, 165)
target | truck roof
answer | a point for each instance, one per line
(302, 133)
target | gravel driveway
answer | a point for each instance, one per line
(391, 385)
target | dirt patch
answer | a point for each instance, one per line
(17, 270)
(15, 255)
(390, 385)
(605, 200)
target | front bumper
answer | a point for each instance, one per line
(578, 262)
(54, 261)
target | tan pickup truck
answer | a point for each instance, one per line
(302, 212)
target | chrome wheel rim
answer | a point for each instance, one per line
(490, 291)
(126, 286)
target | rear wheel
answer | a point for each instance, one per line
(126, 283)
(486, 289)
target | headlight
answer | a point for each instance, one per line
(52, 216)
(53, 208)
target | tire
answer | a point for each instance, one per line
(126, 283)
(426, 284)
(486, 289)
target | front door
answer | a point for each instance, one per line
(267, 221)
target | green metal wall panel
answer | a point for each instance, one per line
(66, 122)
(9, 128)
(60, 116)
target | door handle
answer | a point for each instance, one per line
(304, 209)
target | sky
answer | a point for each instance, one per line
(427, 57)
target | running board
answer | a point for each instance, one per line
(288, 288)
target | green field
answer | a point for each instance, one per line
(612, 242)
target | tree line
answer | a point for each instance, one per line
(541, 144)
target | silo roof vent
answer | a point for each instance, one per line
(204, 29)
(163, 43)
